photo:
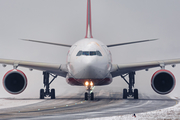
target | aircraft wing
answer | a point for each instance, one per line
(126, 68)
(57, 69)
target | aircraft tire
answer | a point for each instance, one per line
(86, 96)
(41, 93)
(135, 93)
(124, 93)
(92, 96)
(52, 93)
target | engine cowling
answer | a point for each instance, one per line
(15, 81)
(163, 82)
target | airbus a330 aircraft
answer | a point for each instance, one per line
(89, 63)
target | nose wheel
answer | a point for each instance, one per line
(86, 96)
(89, 95)
(92, 96)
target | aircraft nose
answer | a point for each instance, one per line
(88, 63)
(91, 68)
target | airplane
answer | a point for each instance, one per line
(89, 64)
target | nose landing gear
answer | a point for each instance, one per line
(89, 95)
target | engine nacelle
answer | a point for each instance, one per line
(15, 81)
(163, 82)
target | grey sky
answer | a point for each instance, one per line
(64, 21)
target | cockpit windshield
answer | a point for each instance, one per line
(85, 53)
(89, 53)
(92, 53)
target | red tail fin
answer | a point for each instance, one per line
(88, 24)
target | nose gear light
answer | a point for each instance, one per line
(91, 84)
(86, 83)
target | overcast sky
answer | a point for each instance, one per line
(113, 21)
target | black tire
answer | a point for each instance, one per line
(124, 93)
(92, 96)
(86, 96)
(41, 93)
(135, 93)
(52, 93)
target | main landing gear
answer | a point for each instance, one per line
(130, 92)
(46, 92)
(89, 94)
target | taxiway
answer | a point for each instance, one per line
(74, 107)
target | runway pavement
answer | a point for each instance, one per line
(74, 107)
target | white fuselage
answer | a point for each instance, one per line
(89, 60)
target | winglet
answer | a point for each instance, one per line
(88, 24)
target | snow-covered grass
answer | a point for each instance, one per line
(171, 113)
(8, 103)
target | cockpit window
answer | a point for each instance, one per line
(89, 53)
(79, 53)
(98, 53)
(92, 53)
(85, 53)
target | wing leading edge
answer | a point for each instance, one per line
(127, 68)
(60, 70)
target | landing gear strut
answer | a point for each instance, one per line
(46, 92)
(130, 92)
(89, 94)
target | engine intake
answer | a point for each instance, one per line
(15, 81)
(163, 82)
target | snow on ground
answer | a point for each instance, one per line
(8, 103)
(171, 113)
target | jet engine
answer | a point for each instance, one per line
(163, 82)
(15, 81)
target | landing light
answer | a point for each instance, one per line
(91, 83)
(86, 83)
